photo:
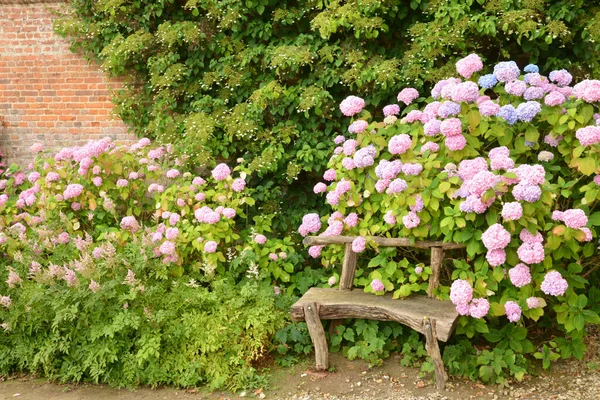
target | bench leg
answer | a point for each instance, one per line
(317, 335)
(431, 344)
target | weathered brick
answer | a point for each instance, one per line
(47, 93)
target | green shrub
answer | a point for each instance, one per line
(261, 79)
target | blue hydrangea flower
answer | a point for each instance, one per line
(509, 114)
(526, 111)
(448, 108)
(488, 81)
(506, 71)
(529, 144)
(531, 68)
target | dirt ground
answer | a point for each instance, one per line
(352, 380)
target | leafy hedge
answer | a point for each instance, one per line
(261, 79)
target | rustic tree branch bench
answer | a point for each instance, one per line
(434, 318)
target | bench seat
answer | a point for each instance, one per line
(339, 304)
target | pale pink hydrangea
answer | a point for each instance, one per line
(588, 135)
(200, 197)
(531, 252)
(377, 285)
(587, 90)
(348, 163)
(72, 190)
(418, 270)
(343, 187)
(167, 248)
(173, 173)
(390, 120)
(467, 169)
(349, 147)
(155, 187)
(358, 244)
(479, 308)
(574, 218)
(389, 218)
(130, 223)
(320, 188)
(351, 220)
(339, 139)
(588, 234)
(513, 311)
(352, 105)
(451, 127)
(418, 207)
(358, 126)
(496, 257)
(495, 237)
(554, 284)
(391, 109)
(171, 233)
(396, 186)
(332, 280)
(414, 115)
(455, 143)
(365, 157)
(75, 206)
(520, 275)
(330, 175)
(36, 147)
(333, 198)
(430, 146)
(315, 251)
(411, 220)
(515, 87)
(382, 184)
(399, 144)
(210, 246)
(512, 211)
(532, 302)
(545, 156)
(198, 181)
(221, 172)
(122, 183)
(33, 176)
(465, 92)
(412, 168)
(273, 256)
(483, 181)
(260, 239)
(467, 66)
(461, 292)
(408, 95)
(527, 192)
(432, 127)
(488, 108)
(238, 185)
(554, 99)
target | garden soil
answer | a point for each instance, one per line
(571, 380)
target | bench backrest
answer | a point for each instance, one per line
(349, 264)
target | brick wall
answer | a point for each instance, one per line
(47, 93)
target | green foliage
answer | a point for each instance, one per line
(261, 79)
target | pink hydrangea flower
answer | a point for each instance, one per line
(455, 143)
(332, 280)
(465, 92)
(495, 237)
(122, 183)
(432, 127)
(588, 135)
(399, 144)
(513, 311)
(389, 218)
(365, 157)
(412, 168)
(531, 253)
(171, 233)
(515, 87)
(358, 126)
(588, 234)
(408, 95)
(72, 190)
(358, 244)
(173, 173)
(414, 115)
(339, 139)
(351, 220)
(512, 211)
(451, 127)
(210, 246)
(479, 308)
(97, 181)
(382, 184)
(391, 109)
(333, 198)
(431, 146)
(575, 218)
(461, 292)
(348, 163)
(496, 257)
(260, 239)
(221, 172)
(377, 285)
(167, 248)
(488, 108)
(529, 237)
(130, 223)
(396, 186)
(352, 105)
(554, 284)
(532, 302)
(330, 175)
(587, 90)
(467, 66)
(554, 99)
(411, 220)
(315, 251)
(520, 275)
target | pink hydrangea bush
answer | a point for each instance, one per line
(505, 163)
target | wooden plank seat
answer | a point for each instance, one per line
(434, 318)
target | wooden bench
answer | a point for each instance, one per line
(434, 318)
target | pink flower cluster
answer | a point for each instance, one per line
(408, 95)
(513, 311)
(554, 284)
(573, 218)
(587, 90)
(311, 223)
(461, 295)
(377, 285)
(352, 105)
(520, 275)
(588, 135)
(221, 172)
(512, 211)
(495, 239)
(207, 215)
(358, 126)
(130, 224)
(399, 144)
(467, 66)
(358, 244)
(531, 251)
